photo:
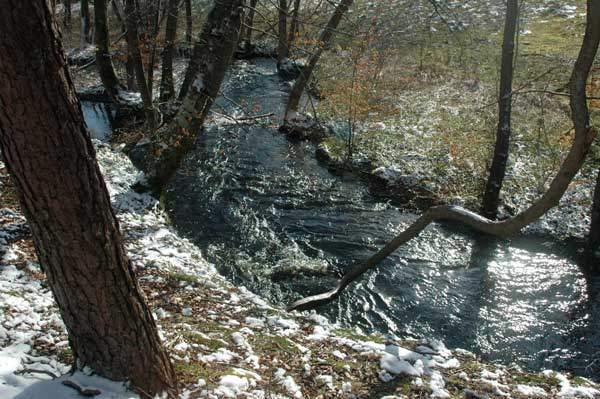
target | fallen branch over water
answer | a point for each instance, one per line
(584, 136)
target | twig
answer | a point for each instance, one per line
(36, 371)
(89, 392)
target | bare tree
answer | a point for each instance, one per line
(161, 154)
(282, 48)
(67, 15)
(84, 14)
(584, 136)
(133, 47)
(249, 24)
(491, 196)
(188, 22)
(305, 75)
(295, 24)
(51, 159)
(109, 78)
(167, 87)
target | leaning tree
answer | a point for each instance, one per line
(50, 157)
(306, 73)
(584, 136)
(160, 154)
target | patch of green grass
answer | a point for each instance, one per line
(273, 344)
(181, 276)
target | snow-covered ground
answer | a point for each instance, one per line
(225, 341)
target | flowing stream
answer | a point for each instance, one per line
(275, 220)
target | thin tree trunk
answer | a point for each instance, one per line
(211, 56)
(136, 58)
(295, 25)
(305, 75)
(84, 13)
(249, 24)
(188, 22)
(52, 162)
(594, 237)
(491, 198)
(129, 70)
(584, 136)
(109, 78)
(167, 87)
(154, 34)
(67, 16)
(282, 48)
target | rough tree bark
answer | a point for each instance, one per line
(167, 87)
(84, 14)
(133, 48)
(109, 78)
(584, 136)
(305, 75)
(282, 48)
(52, 162)
(188, 22)
(295, 24)
(491, 197)
(594, 237)
(159, 156)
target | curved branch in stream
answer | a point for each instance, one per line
(584, 136)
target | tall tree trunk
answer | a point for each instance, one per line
(52, 162)
(188, 22)
(491, 197)
(282, 48)
(213, 51)
(584, 136)
(67, 16)
(594, 237)
(136, 57)
(155, 14)
(129, 70)
(167, 87)
(84, 13)
(304, 78)
(109, 78)
(249, 24)
(295, 25)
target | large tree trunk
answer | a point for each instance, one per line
(282, 48)
(491, 197)
(295, 25)
(52, 162)
(249, 24)
(84, 13)
(213, 51)
(109, 78)
(584, 136)
(305, 75)
(594, 237)
(133, 47)
(167, 87)
(188, 22)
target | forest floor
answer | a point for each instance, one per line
(224, 340)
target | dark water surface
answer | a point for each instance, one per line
(261, 206)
